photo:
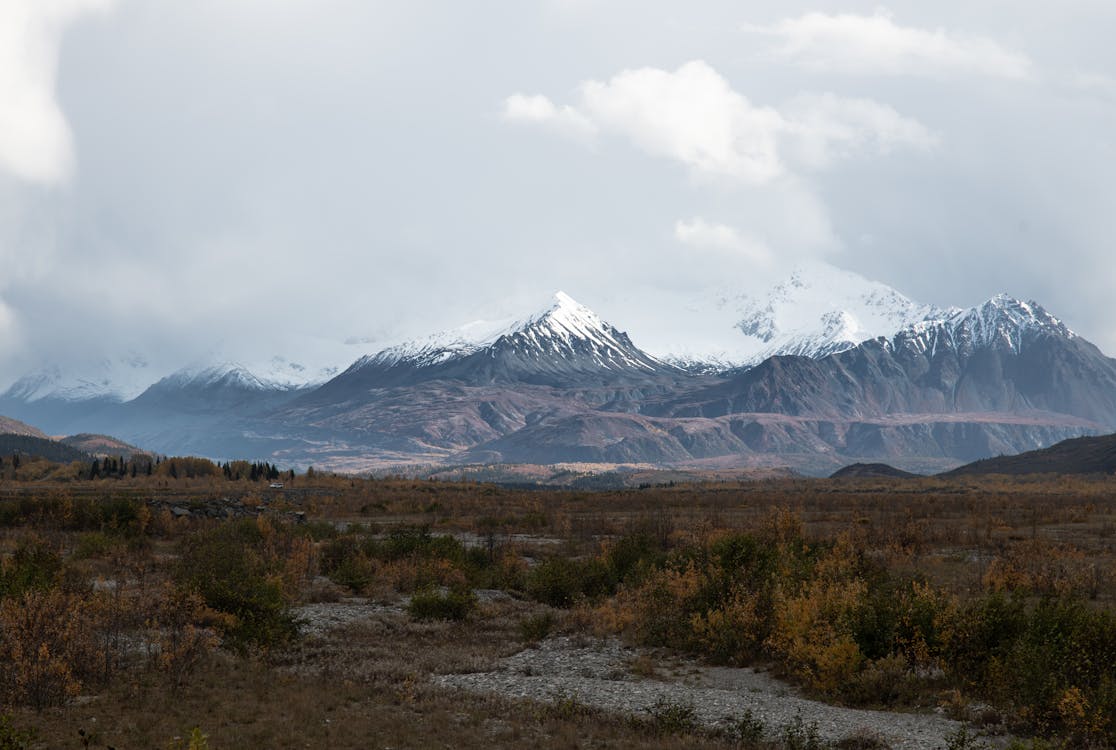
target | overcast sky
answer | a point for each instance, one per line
(179, 177)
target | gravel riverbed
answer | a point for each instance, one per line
(598, 673)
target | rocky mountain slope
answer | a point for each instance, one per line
(1086, 455)
(563, 384)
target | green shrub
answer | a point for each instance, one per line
(33, 566)
(417, 541)
(963, 739)
(92, 544)
(536, 627)
(228, 568)
(889, 681)
(668, 717)
(560, 581)
(12, 738)
(800, 735)
(431, 604)
(747, 730)
(344, 562)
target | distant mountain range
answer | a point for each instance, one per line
(819, 371)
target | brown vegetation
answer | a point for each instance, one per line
(998, 592)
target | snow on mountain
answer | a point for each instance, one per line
(817, 310)
(564, 329)
(118, 379)
(1002, 323)
(440, 347)
(225, 375)
(569, 330)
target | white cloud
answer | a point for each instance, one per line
(35, 143)
(826, 127)
(876, 45)
(540, 110)
(693, 116)
(704, 235)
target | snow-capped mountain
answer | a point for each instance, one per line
(1003, 357)
(117, 379)
(1002, 323)
(563, 339)
(225, 375)
(816, 311)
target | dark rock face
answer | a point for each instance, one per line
(1049, 374)
(1086, 455)
(871, 471)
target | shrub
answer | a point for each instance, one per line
(889, 681)
(536, 627)
(44, 646)
(800, 735)
(560, 581)
(344, 562)
(862, 739)
(34, 566)
(668, 717)
(747, 730)
(431, 604)
(231, 570)
(12, 738)
(92, 544)
(963, 739)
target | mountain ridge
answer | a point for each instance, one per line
(563, 384)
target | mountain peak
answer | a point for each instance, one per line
(1002, 323)
(1005, 320)
(568, 319)
(225, 374)
(815, 310)
(561, 299)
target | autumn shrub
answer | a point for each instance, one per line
(44, 644)
(181, 632)
(235, 570)
(979, 640)
(1059, 672)
(814, 625)
(1039, 567)
(410, 558)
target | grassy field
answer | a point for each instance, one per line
(136, 609)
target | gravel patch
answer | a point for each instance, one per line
(597, 674)
(319, 618)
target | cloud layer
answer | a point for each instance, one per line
(191, 175)
(693, 116)
(35, 141)
(877, 45)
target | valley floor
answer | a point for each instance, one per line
(773, 614)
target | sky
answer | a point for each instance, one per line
(190, 179)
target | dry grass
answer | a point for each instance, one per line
(367, 686)
(362, 687)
